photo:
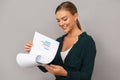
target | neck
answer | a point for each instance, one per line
(75, 32)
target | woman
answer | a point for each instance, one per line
(76, 53)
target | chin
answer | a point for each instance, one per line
(66, 31)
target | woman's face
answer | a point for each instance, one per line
(66, 20)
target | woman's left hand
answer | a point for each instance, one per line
(55, 70)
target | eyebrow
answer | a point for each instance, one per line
(61, 18)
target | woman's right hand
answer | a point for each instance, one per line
(28, 46)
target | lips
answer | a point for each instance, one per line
(64, 27)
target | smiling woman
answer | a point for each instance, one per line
(76, 53)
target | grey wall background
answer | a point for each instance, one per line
(19, 19)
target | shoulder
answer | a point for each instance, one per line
(86, 39)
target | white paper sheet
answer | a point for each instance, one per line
(26, 60)
(43, 51)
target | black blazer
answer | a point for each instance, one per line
(79, 62)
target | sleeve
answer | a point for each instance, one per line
(42, 68)
(89, 53)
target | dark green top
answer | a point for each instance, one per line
(79, 62)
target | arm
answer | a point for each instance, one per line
(89, 53)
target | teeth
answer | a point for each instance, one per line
(64, 26)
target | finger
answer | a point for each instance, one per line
(54, 66)
(28, 44)
(49, 68)
(27, 47)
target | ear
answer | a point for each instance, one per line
(76, 16)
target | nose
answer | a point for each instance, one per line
(61, 23)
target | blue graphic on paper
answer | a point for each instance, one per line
(46, 44)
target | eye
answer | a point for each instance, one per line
(65, 19)
(58, 21)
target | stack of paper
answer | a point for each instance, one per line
(43, 51)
